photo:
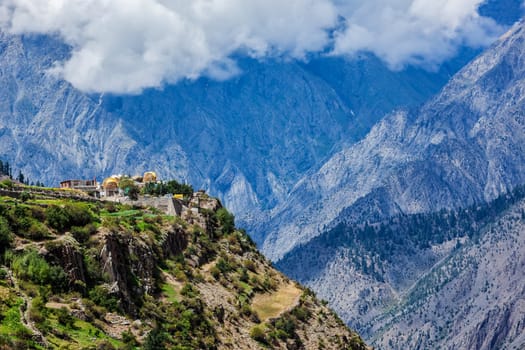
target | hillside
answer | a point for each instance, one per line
(451, 279)
(87, 274)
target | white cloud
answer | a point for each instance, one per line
(124, 46)
(419, 32)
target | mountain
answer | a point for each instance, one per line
(473, 299)
(379, 230)
(87, 274)
(248, 140)
(464, 146)
(451, 279)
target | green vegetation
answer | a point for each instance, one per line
(82, 272)
(372, 243)
(32, 267)
(169, 187)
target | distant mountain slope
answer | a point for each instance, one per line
(466, 145)
(451, 279)
(471, 300)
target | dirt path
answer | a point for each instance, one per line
(25, 316)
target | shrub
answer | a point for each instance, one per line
(301, 313)
(79, 214)
(223, 266)
(72, 214)
(37, 231)
(33, 267)
(6, 237)
(286, 325)
(215, 272)
(83, 233)
(101, 296)
(226, 220)
(155, 340)
(57, 217)
(6, 183)
(25, 196)
(64, 317)
(257, 333)
(250, 265)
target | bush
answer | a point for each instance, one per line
(83, 233)
(286, 325)
(6, 237)
(226, 220)
(101, 296)
(6, 183)
(257, 333)
(79, 214)
(72, 214)
(64, 317)
(33, 267)
(37, 231)
(301, 313)
(25, 196)
(57, 217)
(223, 266)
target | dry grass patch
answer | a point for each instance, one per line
(271, 305)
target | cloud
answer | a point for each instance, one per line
(417, 32)
(124, 46)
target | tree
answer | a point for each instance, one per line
(129, 187)
(20, 177)
(226, 220)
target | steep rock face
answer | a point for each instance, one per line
(46, 126)
(67, 253)
(131, 266)
(464, 146)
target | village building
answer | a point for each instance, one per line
(83, 185)
(110, 187)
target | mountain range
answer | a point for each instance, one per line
(305, 152)
(242, 139)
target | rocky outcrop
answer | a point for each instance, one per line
(67, 253)
(174, 242)
(131, 267)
